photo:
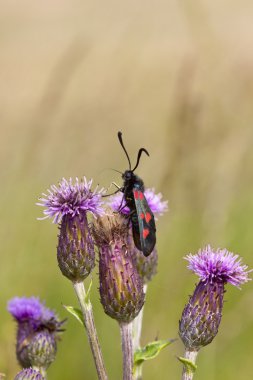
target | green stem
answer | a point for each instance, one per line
(188, 373)
(88, 317)
(137, 328)
(137, 325)
(127, 350)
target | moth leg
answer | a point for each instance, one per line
(118, 187)
(122, 200)
(130, 217)
(115, 192)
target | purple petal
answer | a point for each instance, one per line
(71, 198)
(30, 309)
(23, 308)
(218, 266)
(157, 206)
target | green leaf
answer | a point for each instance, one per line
(75, 312)
(189, 365)
(150, 351)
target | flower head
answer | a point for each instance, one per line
(69, 204)
(37, 332)
(218, 266)
(71, 198)
(157, 206)
(201, 316)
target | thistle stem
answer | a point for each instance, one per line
(188, 373)
(137, 328)
(41, 370)
(89, 322)
(137, 325)
(127, 350)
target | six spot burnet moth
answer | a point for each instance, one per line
(141, 217)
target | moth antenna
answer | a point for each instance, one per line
(121, 143)
(139, 156)
(116, 171)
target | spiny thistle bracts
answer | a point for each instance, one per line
(121, 288)
(75, 250)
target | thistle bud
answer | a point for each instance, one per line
(121, 288)
(37, 332)
(69, 205)
(29, 374)
(202, 315)
(146, 266)
(75, 251)
(42, 349)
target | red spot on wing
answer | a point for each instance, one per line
(148, 217)
(142, 215)
(145, 233)
(136, 194)
(141, 196)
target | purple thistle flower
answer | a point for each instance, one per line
(34, 319)
(69, 204)
(201, 317)
(23, 309)
(218, 266)
(29, 374)
(72, 199)
(157, 206)
(27, 309)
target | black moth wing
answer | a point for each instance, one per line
(143, 224)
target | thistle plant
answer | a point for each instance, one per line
(201, 316)
(114, 230)
(70, 205)
(38, 331)
(121, 287)
(86, 225)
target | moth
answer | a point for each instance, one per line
(141, 216)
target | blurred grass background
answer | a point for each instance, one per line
(174, 77)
